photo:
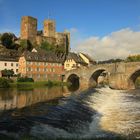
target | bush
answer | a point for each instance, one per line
(25, 79)
(4, 83)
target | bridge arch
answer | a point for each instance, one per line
(93, 79)
(74, 81)
(132, 78)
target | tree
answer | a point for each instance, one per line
(133, 58)
(25, 45)
(7, 40)
(7, 73)
(4, 83)
(47, 46)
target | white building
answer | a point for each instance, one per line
(9, 64)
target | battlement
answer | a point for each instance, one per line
(49, 34)
(28, 28)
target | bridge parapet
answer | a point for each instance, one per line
(121, 75)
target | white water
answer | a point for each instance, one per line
(118, 113)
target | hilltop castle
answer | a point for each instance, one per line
(29, 32)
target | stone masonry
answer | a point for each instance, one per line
(49, 34)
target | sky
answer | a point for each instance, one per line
(104, 29)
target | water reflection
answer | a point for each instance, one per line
(13, 98)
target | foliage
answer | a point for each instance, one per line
(133, 58)
(47, 46)
(25, 79)
(110, 61)
(7, 40)
(51, 47)
(4, 83)
(7, 73)
(25, 45)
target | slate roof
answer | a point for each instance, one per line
(89, 58)
(9, 55)
(75, 57)
(43, 56)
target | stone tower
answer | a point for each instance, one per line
(29, 28)
(49, 28)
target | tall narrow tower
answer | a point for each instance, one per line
(49, 28)
(29, 28)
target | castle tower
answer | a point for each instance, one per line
(49, 28)
(29, 28)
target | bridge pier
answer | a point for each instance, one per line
(119, 81)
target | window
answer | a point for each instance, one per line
(5, 64)
(67, 65)
(16, 70)
(12, 64)
(38, 69)
(17, 64)
(38, 75)
(28, 69)
(73, 65)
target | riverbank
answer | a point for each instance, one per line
(36, 84)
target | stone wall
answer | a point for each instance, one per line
(29, 28)
(121, 75)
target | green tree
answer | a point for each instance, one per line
(25, 45)
(4, 83)
(7, 73)
(7, 40)
(133, 58)
(47, 46)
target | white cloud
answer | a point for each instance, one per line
(118, 44)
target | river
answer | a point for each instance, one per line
(56, 112)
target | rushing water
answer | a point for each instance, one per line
(100, 112)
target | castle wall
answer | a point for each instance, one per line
(28, 28)
(49, 28)
(49, 34)
(50, 40)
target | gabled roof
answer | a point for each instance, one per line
(9, 55)
(89, 58)
(75, 57)
(43, 56)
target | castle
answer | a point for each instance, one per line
(29, 32)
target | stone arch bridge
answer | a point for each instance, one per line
(121, 75)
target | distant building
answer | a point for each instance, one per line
(87, 59)
(49, 34)
(73, 61)
(9, 60)
(41, 65)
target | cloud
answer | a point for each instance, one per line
(118, 44)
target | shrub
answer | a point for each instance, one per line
(25, 79)
(4, 83)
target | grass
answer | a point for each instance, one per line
(32, 85)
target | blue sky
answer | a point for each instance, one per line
(93, 17)
(84, 18)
